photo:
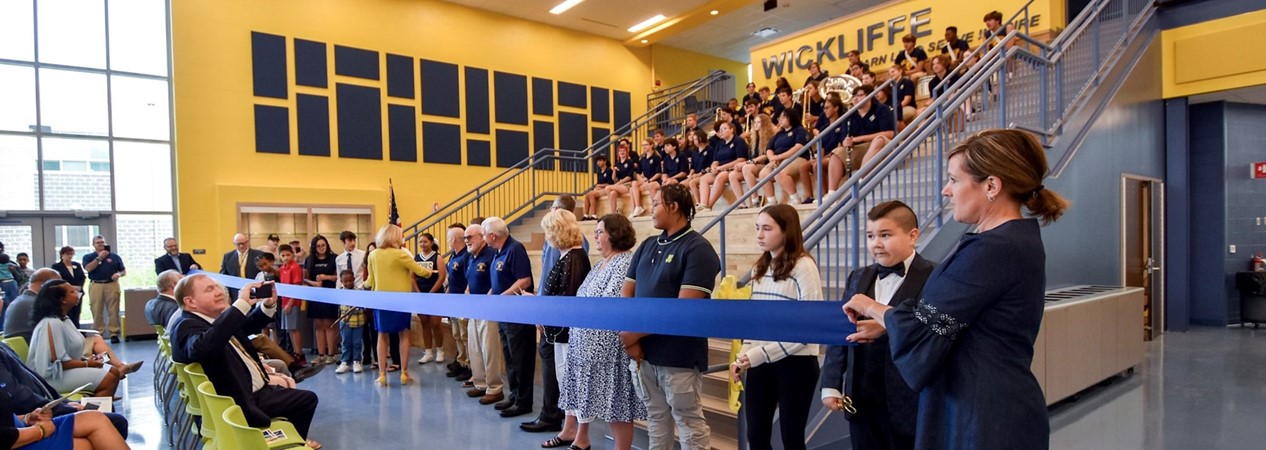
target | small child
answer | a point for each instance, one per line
(292, 308)
(352, 319)
(267, 272)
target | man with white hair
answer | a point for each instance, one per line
(512, 275)
(484, 345)
(160, 309)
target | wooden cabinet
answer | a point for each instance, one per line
(1087, 339)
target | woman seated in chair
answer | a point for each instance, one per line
(39, 430)
(62, 354)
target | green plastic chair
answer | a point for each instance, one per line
(18, 344)
(195, 376)
(193, 405)
(247, 438)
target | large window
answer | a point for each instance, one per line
(85, 116)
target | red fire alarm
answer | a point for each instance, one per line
(1259, 169)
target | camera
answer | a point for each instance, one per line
(262, 291)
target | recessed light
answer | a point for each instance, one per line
(644, 41)
(715, 12)
(765, 32)
(564, 6)
(647, 23)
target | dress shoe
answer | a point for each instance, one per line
(489, 399)
(537, 426)
(468, 384)
(305, 373)
(473, 392)
(515, 411)
(465, 375)
(114, 339)
(504, 405)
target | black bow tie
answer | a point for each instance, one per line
(898, 270)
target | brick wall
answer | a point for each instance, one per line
(68, 191)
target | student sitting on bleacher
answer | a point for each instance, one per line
(606, 177)
(762, 133)
(700, 156)
(903, 103)
(870, 128)
(943, 76)
(624, 170)
(674, 163)
(912, 58)
(788, 140)
(728, 155)
(649, 174)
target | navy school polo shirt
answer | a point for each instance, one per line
(727, 152)
(650, 165)
(624, 169)
(457, 272)
(479, 270)
(661, 268)
(785, 140)
(878, 118)
(674, 165)
(509, 265)
(606, 176)
(105, 271)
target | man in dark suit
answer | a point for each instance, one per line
(886, 407)
(212, 332)
(240, 262)
(174, 259)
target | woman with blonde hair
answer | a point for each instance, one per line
(393, 270)
(564, 279)
(966, 344)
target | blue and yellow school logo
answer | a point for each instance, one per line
(501, 265)
(481, 267)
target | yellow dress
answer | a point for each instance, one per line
(392, 270)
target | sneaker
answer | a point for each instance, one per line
(638, 211)
(439, 355)
(342, 368)
(357, 367)
(427, 357)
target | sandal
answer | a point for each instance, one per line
(555, 442)
(393, 367)
(314, 445)
(575, 447)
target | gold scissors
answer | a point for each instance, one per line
(848, 404)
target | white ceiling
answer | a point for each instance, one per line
(1252, 94)
(727, 35)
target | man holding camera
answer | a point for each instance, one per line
(104, 270)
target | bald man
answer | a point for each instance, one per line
(17, 322)
(240, 262)
(158, 311)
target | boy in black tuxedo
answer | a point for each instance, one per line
(886, 408)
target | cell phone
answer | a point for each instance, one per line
(262, 291)
(91, 406)
(107, 247)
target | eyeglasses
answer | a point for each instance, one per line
(467, 238)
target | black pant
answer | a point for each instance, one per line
(786, 386)
(518, 343)
(872, 429)
(549, 376)
(296, 405)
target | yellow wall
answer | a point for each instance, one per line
(1209, 56)
(672, 66)
(217, 166)
(1048, 16)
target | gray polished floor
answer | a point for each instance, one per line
(1204, 389)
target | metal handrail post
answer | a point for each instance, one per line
(723, 252)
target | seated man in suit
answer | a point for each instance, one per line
(158, 311)
(30, 391)
(174, 259)
(242, 261)
(214, 333)
(886, 407)
(18, 320)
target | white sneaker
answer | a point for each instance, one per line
(427, 357)
(357, 367)
(342, 368)
(439, 355)
(639, 211)
(794, 199)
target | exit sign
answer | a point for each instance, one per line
(1259, 169)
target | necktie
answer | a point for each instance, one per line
(241, 265)
(899, 270)
(349, 261)
(252, 363)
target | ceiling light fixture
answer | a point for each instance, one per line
(715, 12)
(644, 41)
(647, 23)
(765, 32)
(564, 6)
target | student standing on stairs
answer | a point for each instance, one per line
(679, 263)
(885, 407)
(780, 375)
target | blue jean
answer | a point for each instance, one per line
(353, 340)
(10, 289)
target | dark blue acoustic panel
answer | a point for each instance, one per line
(598, 133)
(314, 124)
(359, 122)
(399, 76)
(543, 96)
(478, 153)
(512, 147)
(570, 94)
(573, 131)
(440, 91)
(441, 143)
(511, 99)
(356, 62)
(402, 132)
(542, 138)
(268, 65)
(623, 110)
(272, 129)
(477, 101)
(600, 104)
(311, 68)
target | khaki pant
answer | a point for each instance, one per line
(487, 364)
(673, 397)
(103, 298)
(852, 155)
(271, 350)
(458, 327)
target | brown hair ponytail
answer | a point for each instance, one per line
(1017, 158)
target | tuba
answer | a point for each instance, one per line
(842, 85)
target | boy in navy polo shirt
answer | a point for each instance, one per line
(512, 275)
(680, 263)
(104, 269)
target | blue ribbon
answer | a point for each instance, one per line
(766, 320)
